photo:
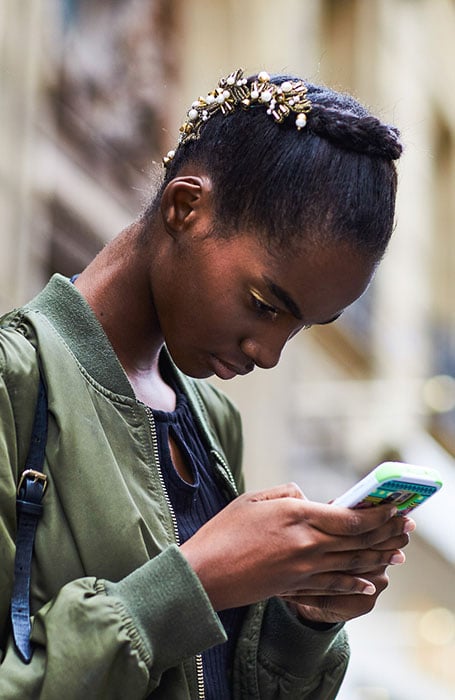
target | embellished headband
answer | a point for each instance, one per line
(233, 91)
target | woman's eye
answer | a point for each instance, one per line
(262, 308)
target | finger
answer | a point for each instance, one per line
(395, 527)
(394, 543)
(359, 560)
(334, 583)
(333, 608)
(372, 539)
(290, 490)
(338, 526)
(338, 608)
(336, 601)
(393, 558)
(379, 578)
(409, 525)
(336, 520)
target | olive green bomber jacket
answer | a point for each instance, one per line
(117, 611)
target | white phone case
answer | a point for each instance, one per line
(405, 485)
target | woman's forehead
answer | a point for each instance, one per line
(318, 283)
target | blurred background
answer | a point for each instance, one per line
(91, 96)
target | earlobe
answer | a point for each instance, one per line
(182, 201)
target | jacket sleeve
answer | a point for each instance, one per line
(94, 640)
(103, 641)
(291, 660)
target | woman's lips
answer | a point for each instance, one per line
(224, 370)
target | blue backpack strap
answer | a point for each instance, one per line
(30, 491)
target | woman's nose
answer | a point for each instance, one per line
(264, 354)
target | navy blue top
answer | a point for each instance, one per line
(193, 505)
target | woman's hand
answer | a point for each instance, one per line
(336, 608)
(276, 542)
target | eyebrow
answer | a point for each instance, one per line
(291, 305)
(285, 298)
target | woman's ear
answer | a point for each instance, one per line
(184, 200)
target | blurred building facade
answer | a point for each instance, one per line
(92, 95)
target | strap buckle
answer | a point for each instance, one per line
(34, 475)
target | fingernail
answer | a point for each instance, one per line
(398, 558)
(409, 525)
(369, 589)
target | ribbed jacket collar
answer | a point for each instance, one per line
(73, 318)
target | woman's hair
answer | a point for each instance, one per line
(333, 180)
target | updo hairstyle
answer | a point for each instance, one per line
(332, 181)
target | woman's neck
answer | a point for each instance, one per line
(117, 287)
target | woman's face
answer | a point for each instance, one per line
(228, 305)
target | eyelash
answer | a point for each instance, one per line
(263, 309)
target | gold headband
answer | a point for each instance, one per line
(280, 100)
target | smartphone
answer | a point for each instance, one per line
(405, 485)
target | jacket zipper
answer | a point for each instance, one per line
(226, 471)
(151, 421)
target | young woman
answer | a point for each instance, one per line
(152, 577)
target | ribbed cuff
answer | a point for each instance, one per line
(169, 607)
